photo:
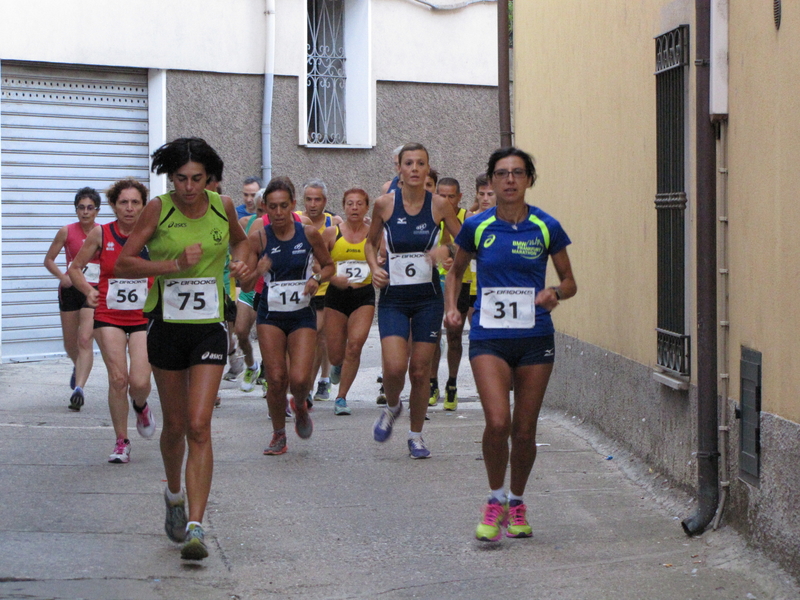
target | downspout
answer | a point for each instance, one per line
(503, 76)
(269, 77)
(706, 233)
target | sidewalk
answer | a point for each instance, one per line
(339, 515)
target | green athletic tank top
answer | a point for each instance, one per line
(190, 294)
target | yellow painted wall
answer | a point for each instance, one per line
(764, 198)
(585, 108)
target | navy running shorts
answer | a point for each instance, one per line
(517, 352)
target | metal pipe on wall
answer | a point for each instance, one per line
(269, 77)
(706, 234)
(503, 75)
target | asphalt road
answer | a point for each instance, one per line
(339, 515)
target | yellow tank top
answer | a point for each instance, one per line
(323, 287)
(350, 259)
(461, 215)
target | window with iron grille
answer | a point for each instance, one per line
(325, 74)
(672, 58)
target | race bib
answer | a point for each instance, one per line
(126, 294)
(191, 299)
(409, 268)
(92, 273)
(508, 308)
(356, 271)
(287, 296)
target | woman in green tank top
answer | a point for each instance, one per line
(187, 232)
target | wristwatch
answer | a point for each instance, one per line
(316, 277)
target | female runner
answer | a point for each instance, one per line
(76, 316)
(511, 336)
(411, 295)
(119, 325)
(286, 322)
(187, 341)
(350, 300)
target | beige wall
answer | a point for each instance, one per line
(585, 107)
(586, 110)
(764, 180)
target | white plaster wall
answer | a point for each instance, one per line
(210, 35)
(409, 41)
(413, 43)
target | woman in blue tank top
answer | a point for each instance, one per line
(407, 220)
(511, 338)
(286, 323)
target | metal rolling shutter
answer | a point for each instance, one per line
(63, 127)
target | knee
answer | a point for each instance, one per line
(85, 341)
(419, 373)
(118, 381)
(139, 386)
(198, 431)
(498, 427)
(353, 350)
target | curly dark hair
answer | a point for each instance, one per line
(118, 187)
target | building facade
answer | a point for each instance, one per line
(608, 99)
(88, 89)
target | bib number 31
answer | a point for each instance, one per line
(508, 308)
(191, 299)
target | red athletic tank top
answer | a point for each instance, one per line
(112, 242)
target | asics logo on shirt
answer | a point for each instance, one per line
(173, 224)
(489, 241)
(211, 356)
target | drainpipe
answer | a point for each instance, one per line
(705, 151)
(269, 76)
(503, 84)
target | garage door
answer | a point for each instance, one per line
(62, 127)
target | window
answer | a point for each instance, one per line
(337, 107)
(325, 74)
(672, 58)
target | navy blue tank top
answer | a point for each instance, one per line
(292, 259)
(406, 234)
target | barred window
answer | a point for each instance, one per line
(325, 74)
(672, 58)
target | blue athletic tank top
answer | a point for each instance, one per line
(292, 259)
(406, 233)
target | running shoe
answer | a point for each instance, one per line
(262, 378)
(451, 397)
(121, 453)
(518, 526)
(194, 546)
(494, 517)
(175, 523)
(336, 374)
(248, 381)
(340, 407)
(72, 380)
(417, 448)
(323, 390)
(381, 399)
(382, 430)
(76, 400)
(303, 425)
(236, 362)
(434, 395)
(145, 422)
(277, 445)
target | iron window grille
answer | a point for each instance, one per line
(672, 58)
(325, 75)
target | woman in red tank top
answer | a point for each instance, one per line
(120, 328)
(76, 316)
